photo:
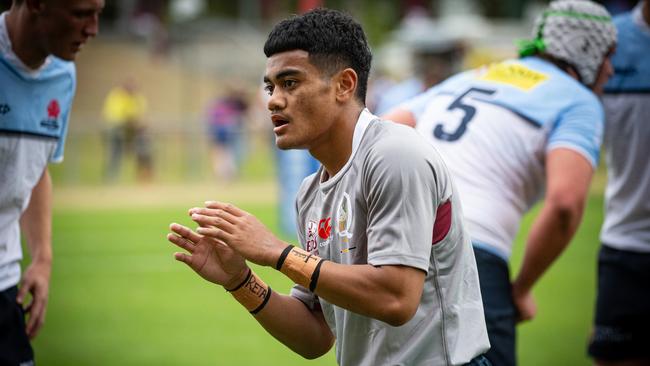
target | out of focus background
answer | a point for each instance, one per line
(169, 112)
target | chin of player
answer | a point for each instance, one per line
(283, 143)
(68, 54)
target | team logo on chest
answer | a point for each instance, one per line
(325, 228)
(53, 112)
(318, 234)
(344, 218)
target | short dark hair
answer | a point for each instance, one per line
(333, 39)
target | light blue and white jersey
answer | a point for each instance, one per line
(34, 110)
(494, 126)
(627, 138)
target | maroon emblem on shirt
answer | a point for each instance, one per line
(325, 228)
(443, 222)
(53, 109)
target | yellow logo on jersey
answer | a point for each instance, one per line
(514, 74)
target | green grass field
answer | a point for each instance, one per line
(119, 298)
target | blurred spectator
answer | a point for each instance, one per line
(292, 167)
(124, 110)
(225, 119)
(436, 55)
(431, 66)
(620, 335)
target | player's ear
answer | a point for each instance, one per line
(346, 84)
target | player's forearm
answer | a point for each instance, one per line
(289, 321)
(549, 236)
(387, 293)
(36, 221)
(568, 175)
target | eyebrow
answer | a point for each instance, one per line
(283, 74)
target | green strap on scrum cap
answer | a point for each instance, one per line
(529, 47)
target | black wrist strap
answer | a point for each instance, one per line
(248, 275)
(314, 276)
(283, 256)
(263, 304)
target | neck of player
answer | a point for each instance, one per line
(24, 40)
(336, 147)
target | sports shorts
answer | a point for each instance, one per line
(622, 317)
(479, 361)
(499, 308)
(15, 348)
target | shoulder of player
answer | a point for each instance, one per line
(384, 134)
(562, 86)
(392, 143)
(523, 81)
(397, 156)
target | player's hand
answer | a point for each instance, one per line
(35, 281)
(239, 230)
(210, 258)
(525, 304)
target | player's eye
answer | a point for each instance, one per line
(269, 89)
(289, 83)
(83, 14)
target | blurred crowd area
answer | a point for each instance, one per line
(171, 89)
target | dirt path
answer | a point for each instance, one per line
(151, 196)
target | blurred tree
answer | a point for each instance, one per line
(230, 9)
(378, 17)
(509, 9)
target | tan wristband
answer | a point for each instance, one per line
(301, 266)
(253, 294)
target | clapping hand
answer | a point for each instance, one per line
(211, 258)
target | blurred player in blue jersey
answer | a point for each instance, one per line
(509, 133)
(622, 318)
(39, 41)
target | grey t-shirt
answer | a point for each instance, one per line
(627, 133)
(393, 203)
